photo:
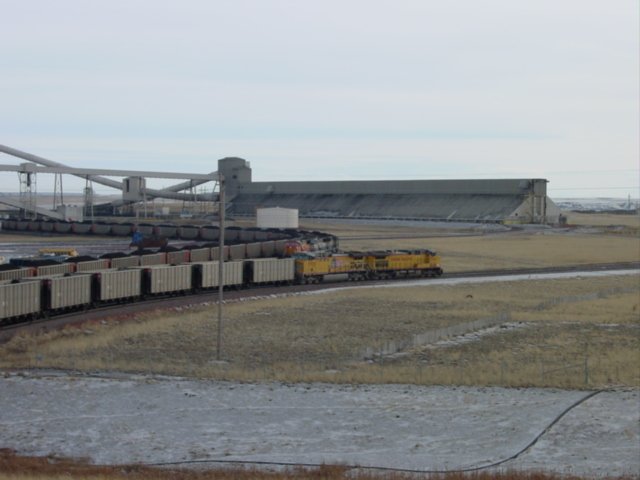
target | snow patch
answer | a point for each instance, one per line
(161, 419)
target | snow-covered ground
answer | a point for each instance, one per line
(154, 420)
(597, 204)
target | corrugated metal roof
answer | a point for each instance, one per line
(427, 206)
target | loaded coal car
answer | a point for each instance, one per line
(46, 226)
(9, 224)
(253, 250)
(122, 260)
(258, 271)
(176, 257)
(113, 285)
(14, 272)
(121, 229)
(232, 234)
(149, 258)
(33, 226)
(81, 227)
(61, 226)
(262, 234)
(88, 264)
(280, 246)
(67, 292)
(188, 232)
(209, 233)
(268, 248)
(166, 230)
(238, 252)
(206, 274)
(55, 269)
(215, 253)
(101, 228)
(62, 292)
(197, 253)
(167, 279)
(145, 229)
(20, 301)
(22, 224)
(49, 265)
(247, 235)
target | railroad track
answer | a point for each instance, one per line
(161, 303)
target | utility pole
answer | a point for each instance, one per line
(221, 208)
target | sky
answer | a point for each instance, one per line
(331, 90)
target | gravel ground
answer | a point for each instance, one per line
(122, 419)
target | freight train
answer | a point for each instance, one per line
(24, 296)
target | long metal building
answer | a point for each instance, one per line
(497, 200)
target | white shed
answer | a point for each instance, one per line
(277, 217)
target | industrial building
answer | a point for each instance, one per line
(486, 201)
(490, 201)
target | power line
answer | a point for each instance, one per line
(399, 470)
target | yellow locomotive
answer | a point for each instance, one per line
(368, 265)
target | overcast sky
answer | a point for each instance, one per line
(331, 90)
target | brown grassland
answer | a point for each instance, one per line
(13, 467)
(579, 333)
(516, 250)
(569, 333)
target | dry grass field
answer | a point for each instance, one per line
(475, 248)
(570, 333)
(51, 468)
(603, 219)
(520, 250)
(564, 333)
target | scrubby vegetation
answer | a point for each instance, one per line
(571, 333)
(13, 467)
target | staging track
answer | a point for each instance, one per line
(126, 310)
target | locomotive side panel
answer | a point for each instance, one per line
(312, 267)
